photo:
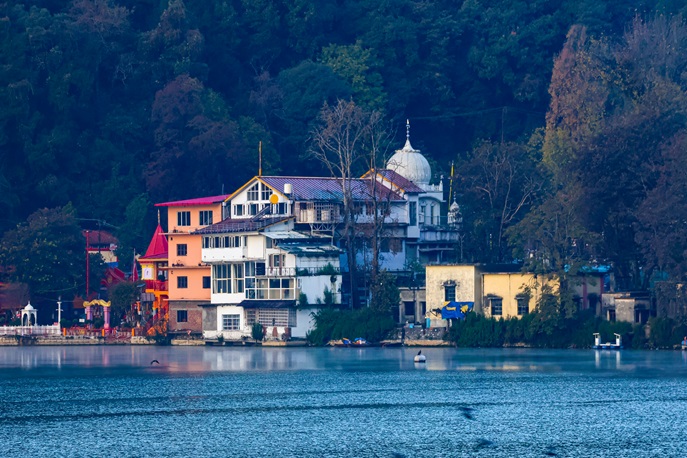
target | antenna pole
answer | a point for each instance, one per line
(260, 158)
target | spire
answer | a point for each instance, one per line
(407, 147)
(158, 245)
(158, 216)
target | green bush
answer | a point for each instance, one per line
(665, 332)
(332, 324)
(256, 332)
(541, 330)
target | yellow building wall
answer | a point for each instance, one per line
(189, 265)
(508, 286)
(466, 278)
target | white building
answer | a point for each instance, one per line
(278, 232)
(262, 271)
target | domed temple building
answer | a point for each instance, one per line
(433, 229)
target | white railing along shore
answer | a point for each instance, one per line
(53, 330)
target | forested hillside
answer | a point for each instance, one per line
(112, 105)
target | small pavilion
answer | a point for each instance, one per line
(29, 316)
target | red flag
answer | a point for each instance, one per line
(134, 271)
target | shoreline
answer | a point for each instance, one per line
(27, 341)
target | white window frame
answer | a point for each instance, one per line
(231, 322)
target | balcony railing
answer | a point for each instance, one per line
(30, 331)
(280, 271)
(318, 213)
(156, 285)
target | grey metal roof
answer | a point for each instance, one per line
(329, 189)
(266, 304)
(241, 225)
(311, 250)
(283, 235)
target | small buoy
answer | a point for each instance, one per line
(419, 358)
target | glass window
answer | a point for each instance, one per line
(266, 193)
(523, 305)
(221, 278)
(259, 269)
(183, 218)
(231, 322)
(277, 260)
(205, 218)
(450, 293)
(207, 242)
(182, 249)
(182, 316)
(206, 282)
(238, 277)
(253, 192)
(496, 306)
(238, 210)
(182, 282)
(273, 317)
(412, 209)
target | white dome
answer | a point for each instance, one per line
(410, 164)
(29, 307)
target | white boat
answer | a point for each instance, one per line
(420, 358)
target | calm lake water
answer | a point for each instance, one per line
(339, 402)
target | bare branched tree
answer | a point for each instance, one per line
(348, 140)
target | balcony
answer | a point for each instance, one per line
(156, 285)
(280, 272)
(224, 254)
(318, 213)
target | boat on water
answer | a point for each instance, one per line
(618, 345)
(355, 343)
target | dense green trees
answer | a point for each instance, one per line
(617, 116)
(46, 252)
(113, 104)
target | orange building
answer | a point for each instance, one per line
(188, 277)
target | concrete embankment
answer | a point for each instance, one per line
(70, 340)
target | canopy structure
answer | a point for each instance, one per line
(456, 310)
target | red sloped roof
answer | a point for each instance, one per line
(194, 202)
(400, 181)
(158, 248)
(112, 276)
(101, 237)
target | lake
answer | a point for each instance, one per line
(340, 402)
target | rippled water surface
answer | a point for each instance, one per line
(339, 402)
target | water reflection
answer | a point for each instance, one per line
(313, 402)
(201, 359)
